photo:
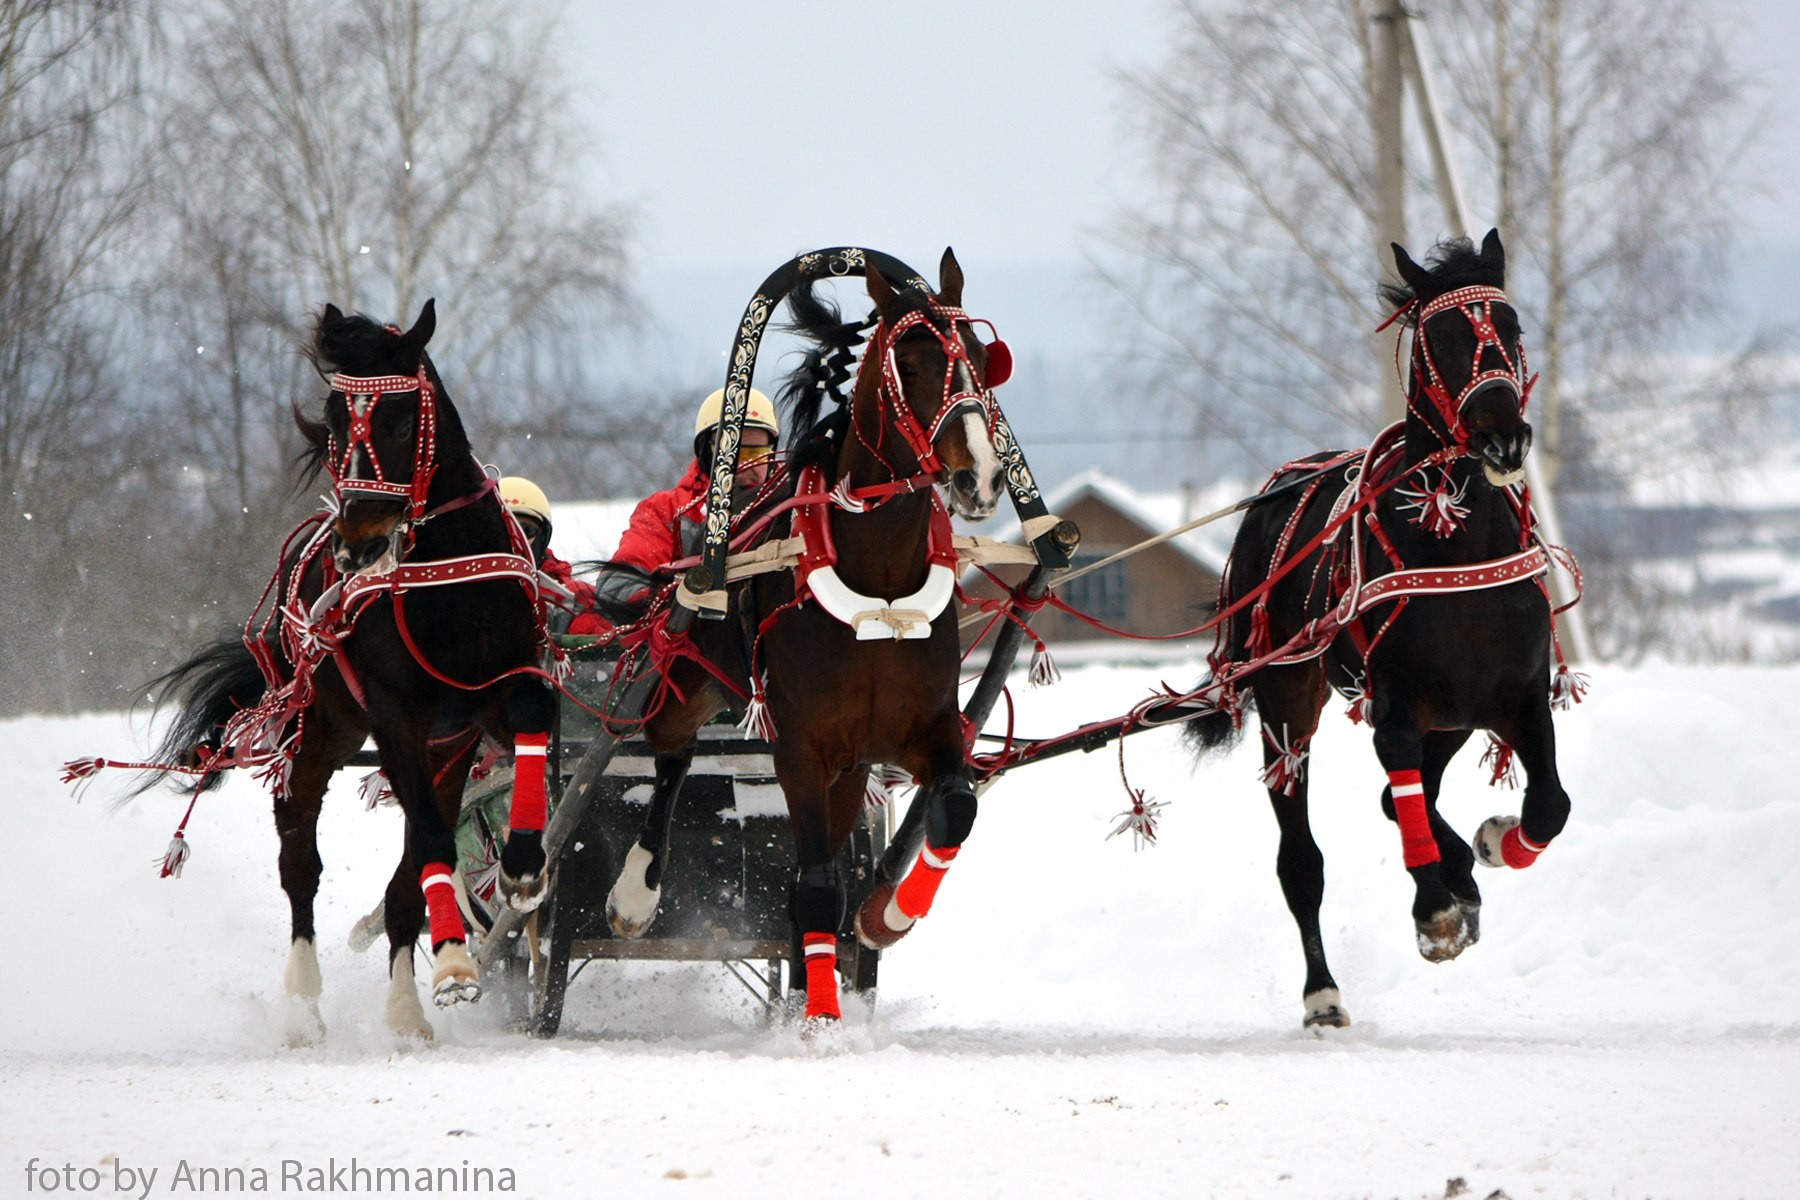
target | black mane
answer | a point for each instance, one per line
(1453, 263)
(816, 428)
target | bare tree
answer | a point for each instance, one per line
(1600, 131)
(71, 179)
(373, 153)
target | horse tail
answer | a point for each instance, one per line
(1219, 729)
(207, 691)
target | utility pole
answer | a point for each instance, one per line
(1414, 52)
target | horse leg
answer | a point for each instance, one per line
(431, 847)
(890, 910)
(632, 902)
(297, 825)
(821, 811)
(530, 707)
(404, 907)
(1457, 861)
(1438, 920)
(1288, 699)
(1517, 841)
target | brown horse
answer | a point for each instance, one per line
(855, 654)
(1434, 521)
(410, 613)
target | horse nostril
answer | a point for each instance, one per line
(964, 481)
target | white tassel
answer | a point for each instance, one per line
(1567, 690)
(757, 722)
(1044, 670)
(875, 790)
(1140, 819)
(1285, 771)
(176, 857)
(374, 790)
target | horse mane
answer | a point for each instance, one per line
(815, 429)
(1453, 263)
(358, 344)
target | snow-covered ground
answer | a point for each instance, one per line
(1075, 1019)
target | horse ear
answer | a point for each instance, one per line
(1493, 253)
(880, 291)
(331, 314)
(416, 338)
(1411, 273)
(950, 279)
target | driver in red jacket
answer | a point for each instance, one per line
(670, 524)
(531, 508)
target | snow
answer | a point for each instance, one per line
(1074, 1019)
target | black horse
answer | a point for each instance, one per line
(857, 662)
(408, 612)
(1435, 521)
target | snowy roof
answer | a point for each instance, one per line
(1158, 512)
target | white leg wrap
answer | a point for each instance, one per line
(631, 906)
(301, 977)
(405, 1015)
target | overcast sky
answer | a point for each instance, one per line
(743, 133)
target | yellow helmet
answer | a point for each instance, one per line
(525, 498)
(759, 413)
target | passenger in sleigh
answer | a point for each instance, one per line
(670, 524)
(531, 509)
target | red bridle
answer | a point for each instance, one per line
(361, 395)
(1476, 304)
(961, 394)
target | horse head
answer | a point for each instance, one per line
(380, 439)
(936, 381)
(1469, 382)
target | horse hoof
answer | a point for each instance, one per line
(1501, 843)
(1444, 935)
(524, 894)
(872, 927)
(455, 980)
(1325, 1009)
(631, 905)
(1488, 838)
(1471, 918)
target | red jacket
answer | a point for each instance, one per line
(654, 537)
(586, 619)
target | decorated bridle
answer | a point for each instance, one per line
(362, 393)
(1476, 304)
(961, 394)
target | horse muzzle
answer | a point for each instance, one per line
(973, 490)
(367, 546)
(1503, 455)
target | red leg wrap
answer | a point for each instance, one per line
(440, 903)
(919, 888)
(821, 975)
(1417, 846)
(530, 805)
(1517, 850)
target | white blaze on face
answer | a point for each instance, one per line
(981, 447)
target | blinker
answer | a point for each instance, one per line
(999, 364)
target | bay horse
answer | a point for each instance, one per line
(1431, 517)
(855, 653)
(407, 611)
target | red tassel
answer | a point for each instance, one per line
(1258, 644)
(81, 768)
(176, 856)
(1499, 757)
(1568, 688)
(1044, 670)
